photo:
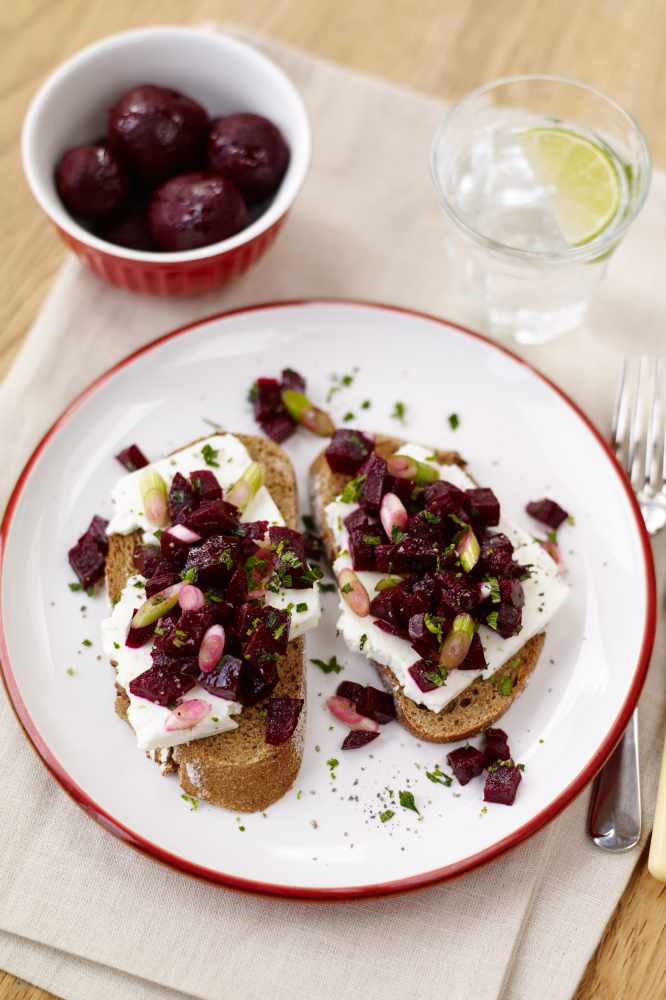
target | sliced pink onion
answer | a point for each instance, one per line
(211, 648)
(468, 550)
(392, 513)
(408, 468)
(157, 605)
(485, 590)
(345, 711)
(191, 598)
(188, 714)
(553, 550)
(301, 409)
(354, 593)
(182, 533)
(256, 595)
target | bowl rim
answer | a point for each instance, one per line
(301, 151)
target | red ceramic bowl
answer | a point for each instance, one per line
(222, 74)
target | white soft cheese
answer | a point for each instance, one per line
(544, 594)
(232, 460)
(148, 719)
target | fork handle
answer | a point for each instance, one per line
(615, 817)
(657, 857)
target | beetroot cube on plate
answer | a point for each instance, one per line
(351, 691)
(548, 512)
(132, 458)
(467, 763)
(278, 427)
(292, 380)
(358, 738)
(502, 784)
(88, 555)
(497, 747)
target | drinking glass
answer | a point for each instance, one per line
(522, 271)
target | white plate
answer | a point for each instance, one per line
(520, 435)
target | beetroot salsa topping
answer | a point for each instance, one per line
(279, 407)
(205, 572)
(443, 564)
(503, 775)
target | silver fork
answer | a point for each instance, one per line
(615, 817)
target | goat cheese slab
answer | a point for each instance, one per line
(545, 592)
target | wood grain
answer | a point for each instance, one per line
(445, 47)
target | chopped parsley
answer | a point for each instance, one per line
(327, 588)
(213, 423)
(454, 421)
(492, 619)
(372, 540)
(438, 678)
(495, 595)
(364, 639)
(214, 718)
(242, 829)
(301, 607)
(116, 646)
(386, 815)
(347, 589)
(299, 794)
(332, 763)
(438, 778)
(86, 642)
(427, 515)
(433, 457)
(138, 585)
(70, 672)
(308, 521)
(313, 575)
(353, 490)
(347, 417)
(75, 586)
(397, 536)
(253, 394)
(505, 685)
(209, 455)
(194, 804)
(571, 520)
(90, 592)
(331, 667)
(432, 623)
(515, 663)
(365, 405)
(407, 801)
(399, 412)
(268, 656)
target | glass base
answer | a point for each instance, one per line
(527, 326)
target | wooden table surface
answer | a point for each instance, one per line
(444, 47)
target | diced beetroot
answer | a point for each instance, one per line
(508, 620)
(356, 738)
(160, 582)
(515, 571)
(548, 512)
(132, 458)
(277, 622)
(282, 719)
(430, 586)
(475, 659)
(261, 651)
(425, 650)
(421, 604)
(404, 596)
(422, 527)
(403, 488)
(485, 508)
(467, 763)
(289, 557)
(391, 560)
(182, 498)
(205, 485)
(254, 688)
(375, 470)
(215, 561)
(292, 380)
(495, 555)
(419, 671)
(502, 785)
(137, 637)
(97, 529)
(357, 519)
(214, 517)
(421, 553)
(189, 665)
(267, 398)
(352, 692)
(447, 497)
(146, 559)
(419, 631)
(348, 451)
(237, 592)
(278, 427)
(246, 615)
(386, 605)
(225, 679)
(497, 747)
(458, 594)
(87, 559)
(313, 545)
(511, 592)
(377, 705)
(162, 685)
(220, 611)
(390, 629)
(173, 548)
(184, 637)
(254, 529)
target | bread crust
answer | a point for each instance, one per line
(478, 706)
(236, 769)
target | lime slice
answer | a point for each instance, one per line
(580, 179)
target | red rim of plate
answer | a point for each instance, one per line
(329, 894)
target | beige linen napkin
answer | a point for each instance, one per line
(83, 915)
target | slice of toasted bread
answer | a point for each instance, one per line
(478, 706)
(236, 769)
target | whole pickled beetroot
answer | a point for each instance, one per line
(249, 151)
(281, 719)
(502, 784)
(548, 512)
(467, 763)
(358, 738)
(92, 182)
(195, 210)
(497, 747)
(348, 451)
(128, 227)
(157, 133)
